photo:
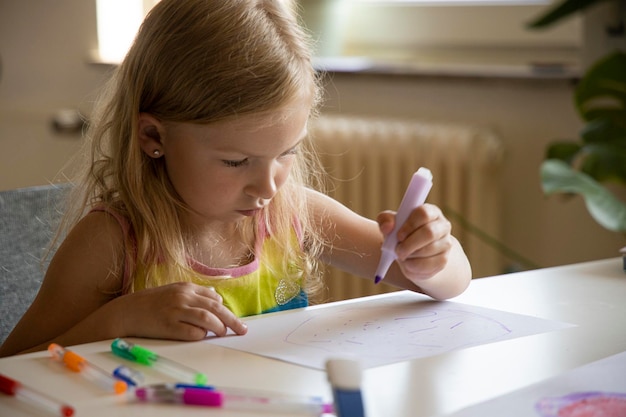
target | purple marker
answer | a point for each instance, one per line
(414, 196)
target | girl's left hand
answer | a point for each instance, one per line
(424, 241)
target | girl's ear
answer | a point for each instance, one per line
(150, 134)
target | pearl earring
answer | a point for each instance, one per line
(156, 152)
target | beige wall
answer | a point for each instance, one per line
(44, 46)
(44, 49)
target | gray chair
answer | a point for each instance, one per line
(28, 220)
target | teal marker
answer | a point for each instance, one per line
(146, 357)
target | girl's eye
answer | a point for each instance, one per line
(235, 164)
(292, 151)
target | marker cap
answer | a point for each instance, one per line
(206, 397)
(8, 385)
(345, 377)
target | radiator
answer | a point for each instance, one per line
(371, 160)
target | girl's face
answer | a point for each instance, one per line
(228, 170)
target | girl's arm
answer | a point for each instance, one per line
(78, 300)
(430, 259)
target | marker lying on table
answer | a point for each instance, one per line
(132, 377)
(415, 195)
(233, 399)
(79, 364)
(16, 389)
(344, 376)
(141, 355)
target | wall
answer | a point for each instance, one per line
(45, 46)
(44, 50)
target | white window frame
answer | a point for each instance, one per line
(456, 2)
(441, 31)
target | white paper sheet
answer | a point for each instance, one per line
(380, 330)
(597, 389)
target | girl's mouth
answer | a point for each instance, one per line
(248, 213)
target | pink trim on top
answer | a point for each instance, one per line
(195, 265)
(237, 271)
(252, 266)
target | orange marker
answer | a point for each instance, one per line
(79, 364)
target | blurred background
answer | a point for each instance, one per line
(444, 63)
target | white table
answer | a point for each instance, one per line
(591, 295)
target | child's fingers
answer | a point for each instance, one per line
(189, 331)
(186, 312)
(207, 322)
(428, 240)
(208, 292)
(439, 247)
(195, 323)
(235, 324)
(214, 316)
(419, 217)
(417, 269)
(386, 221)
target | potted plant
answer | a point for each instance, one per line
(594, 165)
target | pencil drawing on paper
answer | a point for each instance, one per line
(399, 334)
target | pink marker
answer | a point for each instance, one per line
(414, 196)
(235, 399)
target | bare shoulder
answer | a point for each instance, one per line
(87, 269)
(93, 249)
(97, 226)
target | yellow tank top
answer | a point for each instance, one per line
(253, 288)
(256, 288)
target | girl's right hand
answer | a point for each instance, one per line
(181, 311)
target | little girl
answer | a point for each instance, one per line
(197, 204)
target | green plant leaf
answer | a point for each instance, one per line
(565, 151)
(561, 11)
(601, 94)
(605, 162)
(603, 130)
(604, 207)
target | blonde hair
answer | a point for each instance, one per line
(199, 61)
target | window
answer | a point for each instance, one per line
(449, 31)
(456, 2)
(429, 31)
(118, 22)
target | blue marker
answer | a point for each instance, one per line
(344, 376)
(414, 196)
(132, 377)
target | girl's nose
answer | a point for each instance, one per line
(263, 184)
